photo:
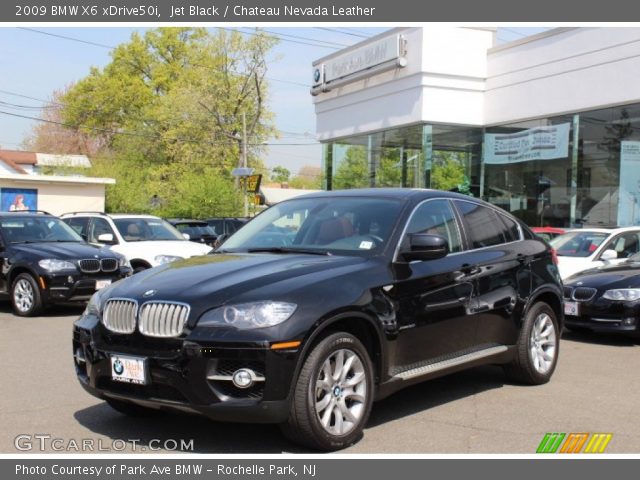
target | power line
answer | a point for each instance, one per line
(337, 30)
(515, 32)
(279, 38)
(79, 40)
(31, 98)
(145, 135)
(280, 34)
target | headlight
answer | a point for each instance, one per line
(160, 259)
(94, 305)
(249, 315)
(53, 265)
(123, 262)
(623, 294)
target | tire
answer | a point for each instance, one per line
(26, 298)
(350, 395)
(132, 409)
(537, 348)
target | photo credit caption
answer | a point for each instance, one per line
(281, 470)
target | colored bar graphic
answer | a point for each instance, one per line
(598, 443)
(550, 443)
(574, 442)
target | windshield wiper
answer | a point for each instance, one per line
(309, 251)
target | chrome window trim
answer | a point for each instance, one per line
(450, 201)
(413, 212)
(498, 212)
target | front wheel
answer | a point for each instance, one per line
(333, 395)
(537, 348)
(26, 298)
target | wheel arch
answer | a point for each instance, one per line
(552, 298)
(357, 324)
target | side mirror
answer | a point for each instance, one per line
(609, 255)
(220, 240)
(106, 238)
(186, 236)
(424, 246)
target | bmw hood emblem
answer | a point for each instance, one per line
(149, 293)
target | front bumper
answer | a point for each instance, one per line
(179, 374)
(76, 286)
(606, 316)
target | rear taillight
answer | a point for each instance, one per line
(554, 256)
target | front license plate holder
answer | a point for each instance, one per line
(572, 309)
(128, 369)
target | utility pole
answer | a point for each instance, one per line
(244, 162)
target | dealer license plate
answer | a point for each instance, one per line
(128, 369)
(572, 309)
(102, 283)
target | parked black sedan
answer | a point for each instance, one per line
(198, 231)
(322, 304)
(44, 261)
(605, 299)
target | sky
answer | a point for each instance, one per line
(38, 63)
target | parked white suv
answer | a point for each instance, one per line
(586, 248)
(146, 241)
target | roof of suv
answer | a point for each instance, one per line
(112, 215)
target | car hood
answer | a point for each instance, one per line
(62, 250)
(214, 279)
(625, 275)
(568, 266)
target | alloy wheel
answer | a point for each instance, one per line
(543, 343)
(341, 392)
(23, 295)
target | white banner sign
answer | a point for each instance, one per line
(539, 143)
(629, 193)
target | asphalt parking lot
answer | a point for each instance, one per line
(595, 389)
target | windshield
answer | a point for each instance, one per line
(578, 244)
(142, 229)
(196, 229)
(340, 225)
(32, 229)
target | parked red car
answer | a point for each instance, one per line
(548, 233)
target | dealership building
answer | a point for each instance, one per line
(547, 127)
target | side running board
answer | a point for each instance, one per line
(450, 362)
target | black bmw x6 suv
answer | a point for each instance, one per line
(323, 304)
(44, 262)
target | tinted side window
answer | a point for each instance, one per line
(79, 224)
(436, 217)
(513, 232)
(483, 225)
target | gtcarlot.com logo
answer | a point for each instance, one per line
(574, 443)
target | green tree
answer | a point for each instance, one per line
(448, 171)
(169, 109)
(280, 174)
(308, 177)
(353, 170)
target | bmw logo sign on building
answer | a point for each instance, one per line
(318, 75)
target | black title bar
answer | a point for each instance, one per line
(258, 11)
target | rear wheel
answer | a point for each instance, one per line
(333, 395)
(26, 298)
(537, 348)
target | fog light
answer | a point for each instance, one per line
(243, 378)
(629, 321)
(70, 279)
